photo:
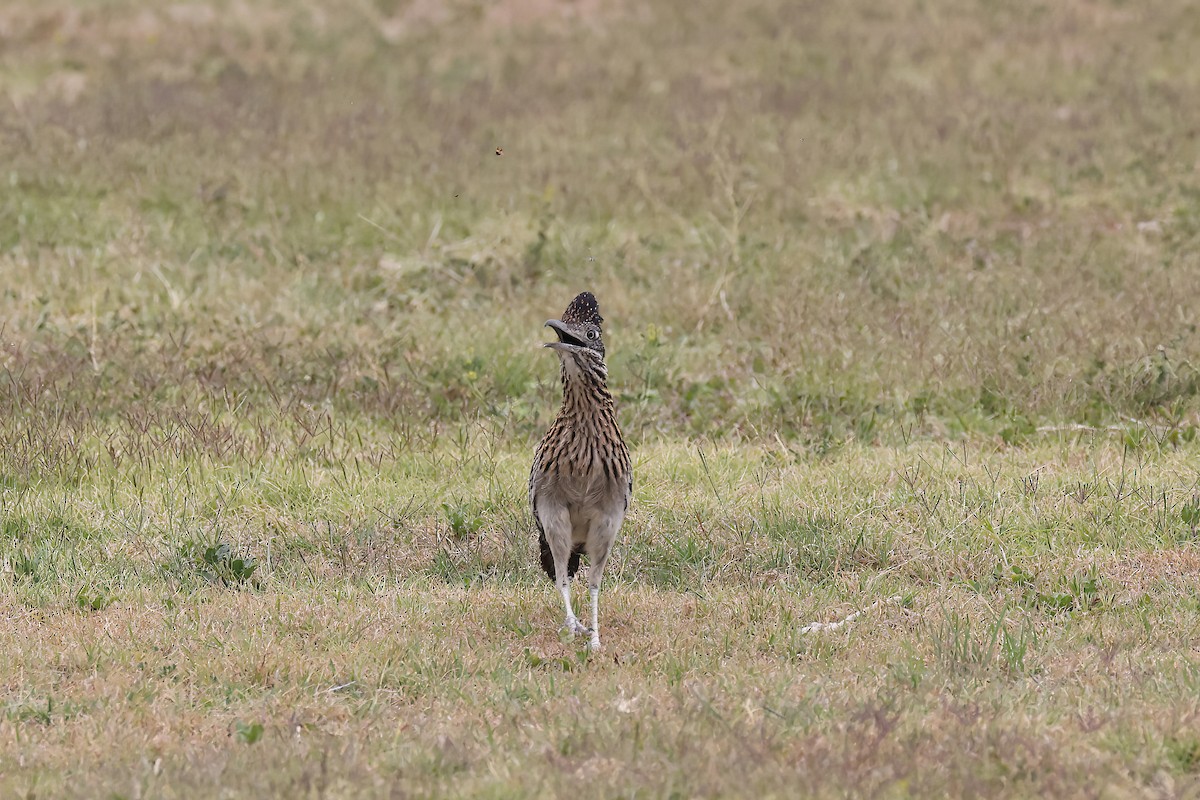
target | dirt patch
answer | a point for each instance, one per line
(1135, 574)
(503, 15)
(523, 13)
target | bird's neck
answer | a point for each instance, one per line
(585, 388)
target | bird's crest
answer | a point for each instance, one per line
(583, 309)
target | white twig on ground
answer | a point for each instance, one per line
(1076, 427)
(833, 626)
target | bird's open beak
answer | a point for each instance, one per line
(566, 340)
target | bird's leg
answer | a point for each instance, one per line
(594, 590)
(599, 546)
(571, 623)
(562, 578)
(556, 524)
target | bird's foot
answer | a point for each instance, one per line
(594, 642)
(574, 626)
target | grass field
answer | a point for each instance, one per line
(902, 306)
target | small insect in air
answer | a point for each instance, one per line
(499, 151)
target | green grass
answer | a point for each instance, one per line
(899, 302)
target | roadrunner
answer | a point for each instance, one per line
(581, 480)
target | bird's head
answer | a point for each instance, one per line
(578, 331)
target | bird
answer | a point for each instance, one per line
(582, 477)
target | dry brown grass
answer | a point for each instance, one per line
(355, 702)
(901, 304)
(384, 655)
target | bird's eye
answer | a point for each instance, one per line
(592, 334)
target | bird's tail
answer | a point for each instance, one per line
(548, 557)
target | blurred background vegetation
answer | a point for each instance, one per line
(820, 222)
